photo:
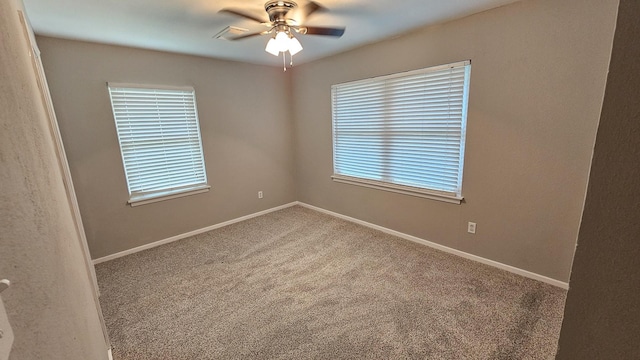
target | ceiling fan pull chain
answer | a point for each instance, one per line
(291, 62)
(284, 60)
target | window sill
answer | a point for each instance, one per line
(144, 199)
(400, 189)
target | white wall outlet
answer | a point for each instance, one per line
(259, 194)
(471, 227)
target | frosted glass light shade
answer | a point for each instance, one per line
(282, 41)
(294, 46)
(272, 47)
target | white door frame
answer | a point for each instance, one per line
(62, 162)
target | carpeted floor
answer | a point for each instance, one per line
(298, 284)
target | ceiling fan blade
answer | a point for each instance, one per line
(312, 7)
(315, 30)
(243, 14)
(241, 37)
(300, 14)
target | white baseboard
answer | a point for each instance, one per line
(446, 249)
(110, 354)
(190, 233)
(415, 239)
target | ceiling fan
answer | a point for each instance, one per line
(285, 19)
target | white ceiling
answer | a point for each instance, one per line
(188, 26)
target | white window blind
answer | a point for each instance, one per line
(403, 132)
(159, 139)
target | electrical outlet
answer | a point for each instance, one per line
(259, 194)
(471, 227)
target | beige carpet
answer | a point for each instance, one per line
(297, 284)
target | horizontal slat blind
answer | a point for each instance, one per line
(159, 138)
(405, 129)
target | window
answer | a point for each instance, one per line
(159, 140)
(403, 132)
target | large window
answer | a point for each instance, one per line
(403, 132)
(160, 141)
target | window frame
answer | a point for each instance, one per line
(137, 198)
(423, 192)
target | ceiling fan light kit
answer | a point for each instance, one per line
(283, 42)
(285, 18)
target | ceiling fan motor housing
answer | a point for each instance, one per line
(278, 9)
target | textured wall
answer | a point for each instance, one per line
(50, 303)
(246, 135)
(537, 81)
(602, 315)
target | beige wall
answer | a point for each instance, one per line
(537, 82)
(246, 133)
(50, 303)
(602, 316)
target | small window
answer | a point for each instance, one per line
(160, 141)
(403, 132)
